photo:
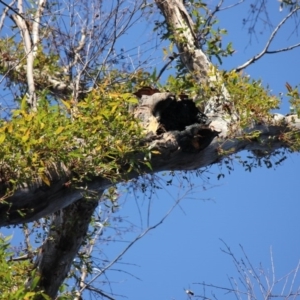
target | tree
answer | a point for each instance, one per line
(75, 134)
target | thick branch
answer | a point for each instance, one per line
(176, 130)
(38, 200)
(43, 80)
(67, 232)
(181, 26)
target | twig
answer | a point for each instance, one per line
(130, 245)
(171, 58)
(91, 288)
(283, 49)
(83, 269)
(232, 5)
(262, 288)
(294, 277)
(7, 8)
(265, 50)
(230, 290)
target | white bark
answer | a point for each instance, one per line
(36, 25)
(28, 46)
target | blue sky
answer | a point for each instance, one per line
(258, 210)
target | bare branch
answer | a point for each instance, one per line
(283, 49)
(131, 244)
(265, 50)
(247, 273)
(93, 289)
(88, 251)
(231, 6)
(35, 25)
(7, 8)
(28, 46)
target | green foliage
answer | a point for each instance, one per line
(14, 275)
(183, 84)
(13, 65)
(252, 101)
(93, 137)
(209, 36)
(294, 98)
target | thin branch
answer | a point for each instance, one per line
(294, 277)
(230, 290)
(210, 17)
(131, 244)
(7, 8)
(88, 252)
(273, 269)
(232, 5)
(36, 24)
(253, 272)
(283, 49)
(171, 58)
(265, 50)
(28, 46)
(93, 289)
(21, 258)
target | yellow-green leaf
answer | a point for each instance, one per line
(2, 137)
(59, 129)
(45, 179)
(66, 103)
(26, 136)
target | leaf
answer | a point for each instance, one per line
(165, 51)
(46, 297)
(132, 100)
(29, 295)
(59, 129)
(26, 136)
(155, 152)
(35, 282)
(2, 137)
(45, 179)
(288, 86)
(67, 104)
(147, 163)
(114, 108)
(221, 175)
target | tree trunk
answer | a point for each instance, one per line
(188, 141)
(188, 145)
